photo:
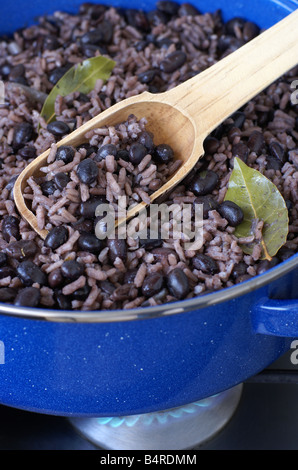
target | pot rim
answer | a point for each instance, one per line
(143, 313)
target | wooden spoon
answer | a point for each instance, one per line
(184, 116)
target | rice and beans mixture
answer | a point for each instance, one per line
(153, 51)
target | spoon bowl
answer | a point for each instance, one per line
(185, 115)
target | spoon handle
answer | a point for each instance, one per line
(216, 93)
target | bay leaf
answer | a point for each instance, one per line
(260, 200)
(82, 78)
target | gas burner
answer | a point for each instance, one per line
(261, 414)
(178, 428)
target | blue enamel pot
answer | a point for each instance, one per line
(116, 363)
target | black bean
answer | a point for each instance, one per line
(61, 180)
(231, 212)
(243, 278)
(285, 253)
(58, 73)
(10, 227)
(87, 209)
(264, 265)
(232, 26)
(125, 292)
(235, 44)
(205, 263)
(28, 297)
(137, 152)
(289, 204)
(55, 279)
(27, 152)
(211, 145)
(63, 302)
(241, 151)
(169, 7)
(16, 72)
(21, 249)
(23, 133)
(56, 237)
(72, 269)
(273, 163)
(48, 187)
(30, 273)
(82, 293)
(156, 17)
(90, 243)
(233, 133)
(7, 271)
(117, 249)
(7, 294)
(164, 43)
(264, 117)
(107, 287)
(65, 153)
(58, 128)
(150, 243)
(186, 9)
(130, 275)
(3, 258)
(141, 45)
(152, 284)
(204, 183)
(147, 76)
(209, 204)
(240, 269)
(256, 142)
(277, 151)
(250, 31)
(89, 149)
(50, 43)
(225, 42)
(162, 253)
(93, 10)
(101, 35)
(104, 151)
(178, 284)
(146, 139)
(239, 119)
(163, 153)
(123, 155)
(87, 171)
(84, 226)
(90, 50)
(173, 61)
(137, 19)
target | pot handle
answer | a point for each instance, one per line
(276, 317)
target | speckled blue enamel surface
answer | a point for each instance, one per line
(124, 368)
